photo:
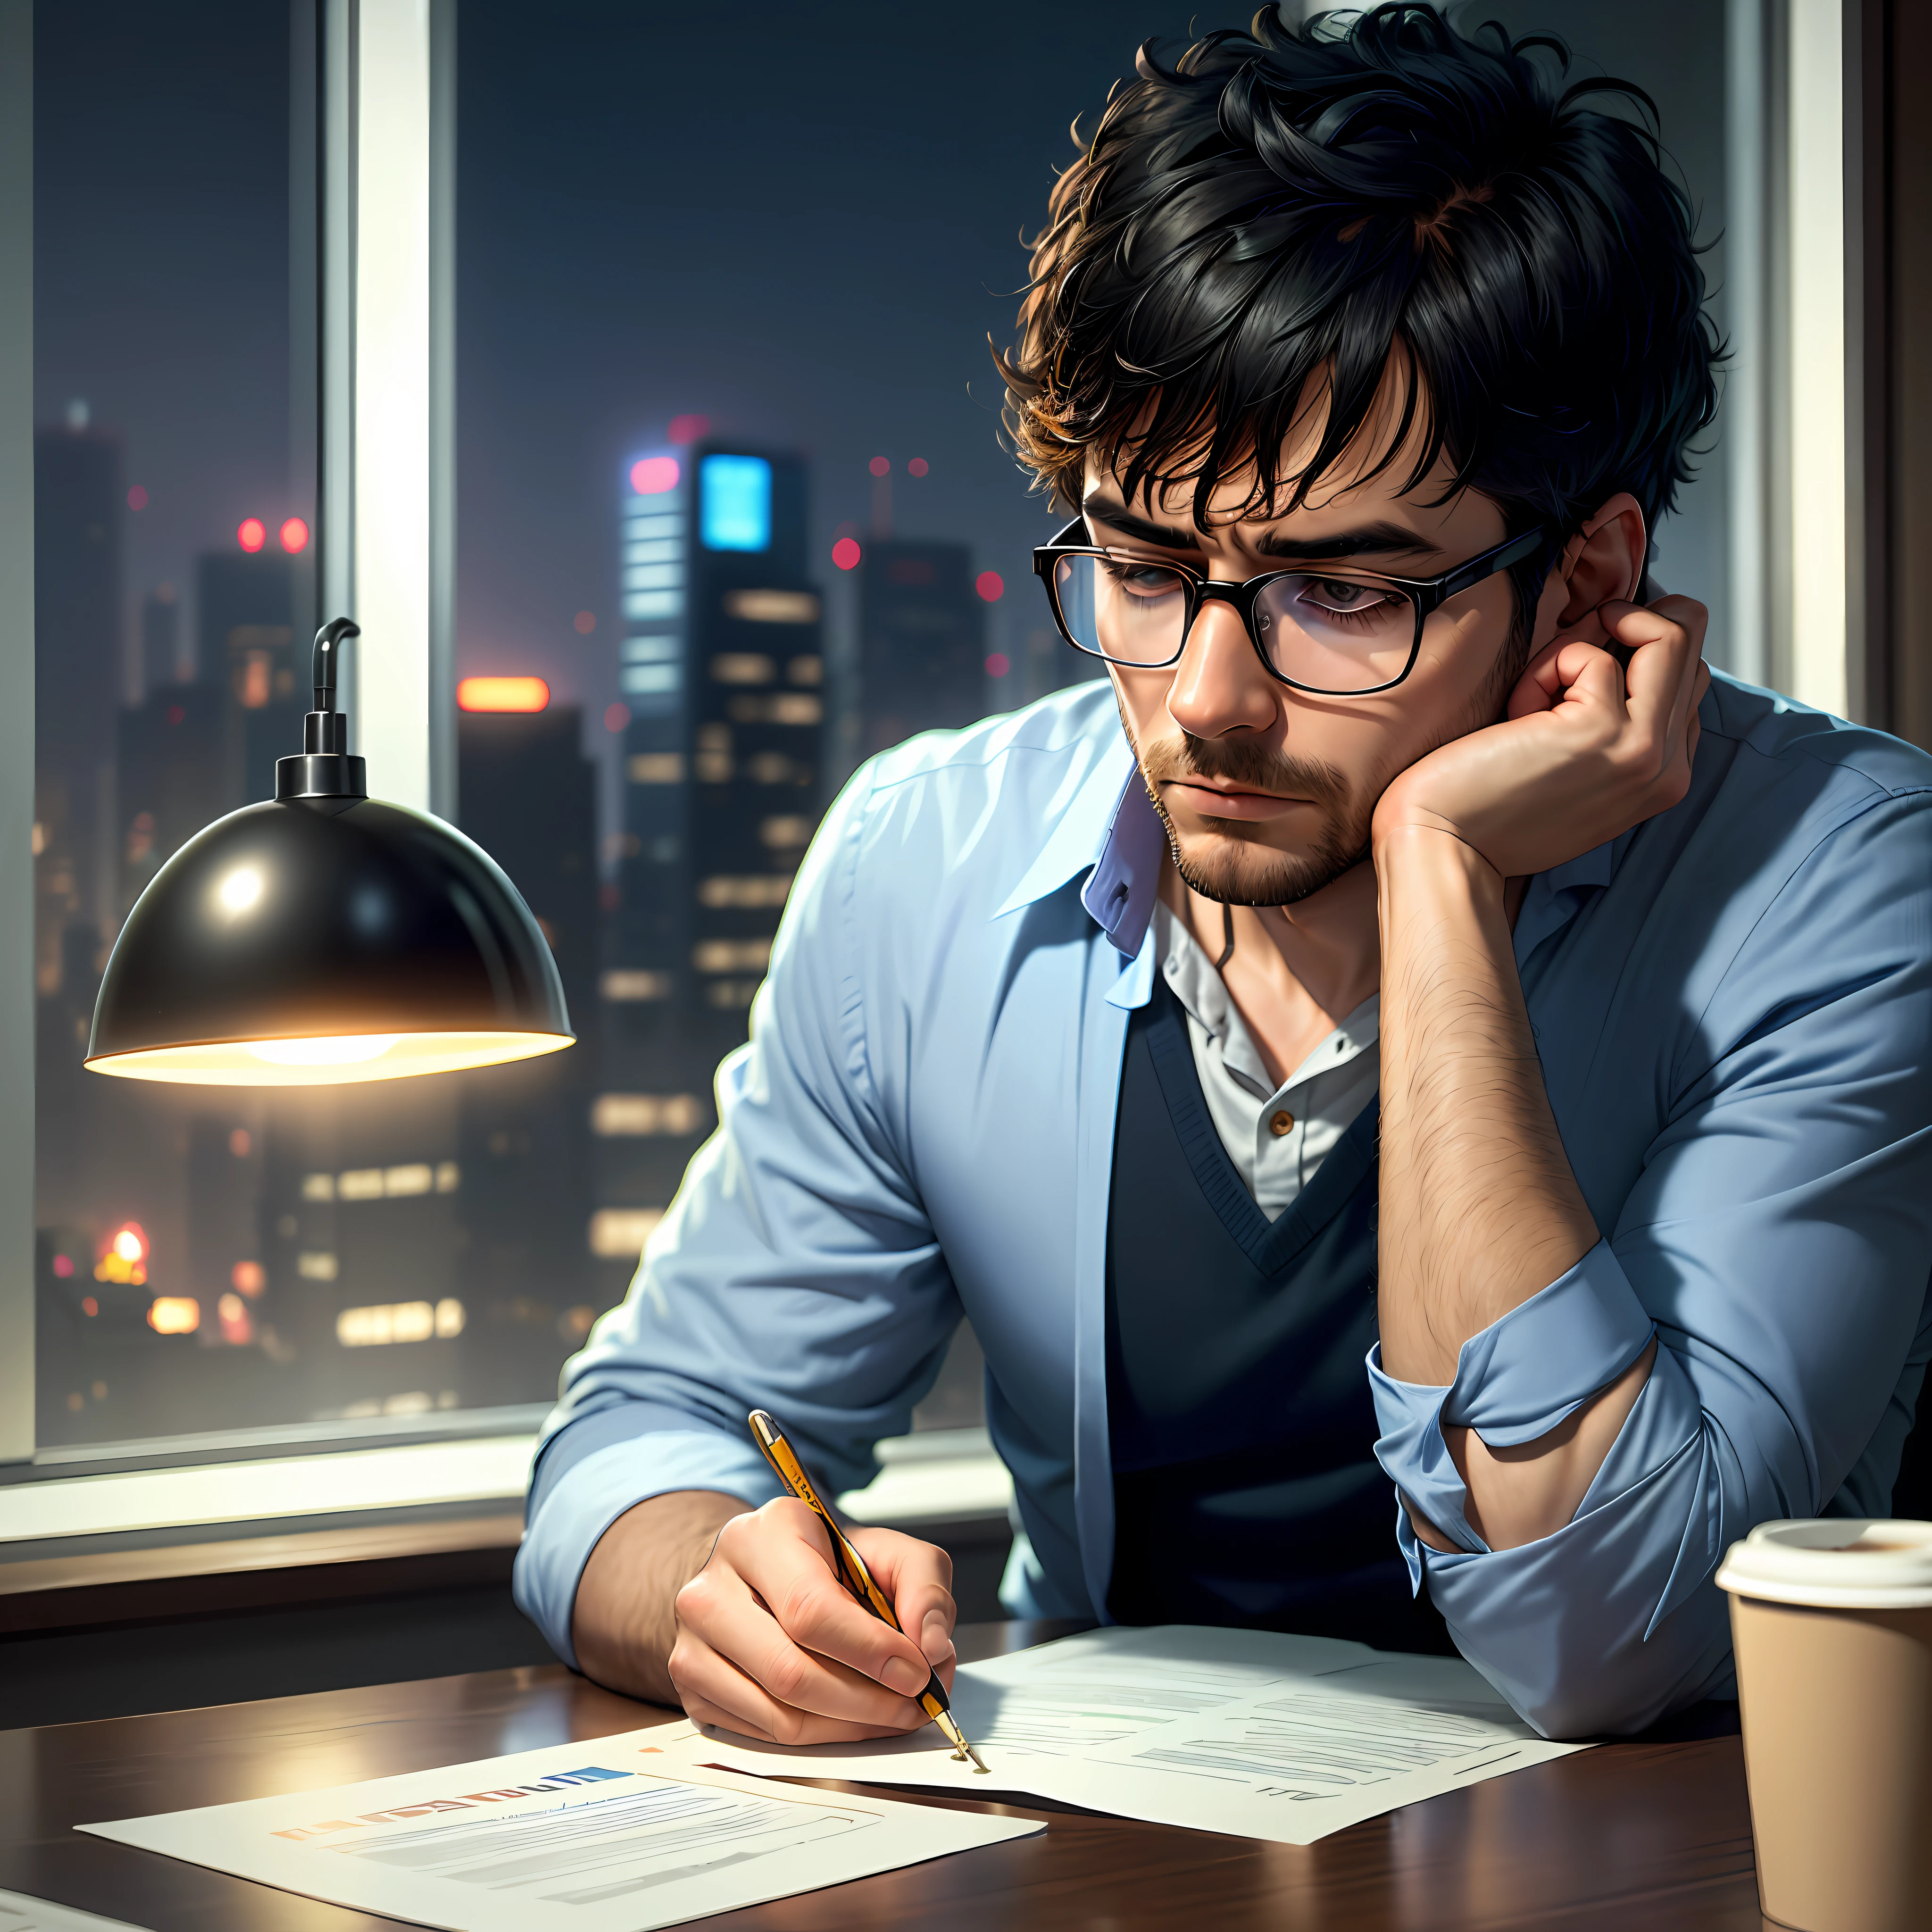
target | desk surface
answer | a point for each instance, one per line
(1657, 1834)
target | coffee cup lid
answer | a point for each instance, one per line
(1851, 1563)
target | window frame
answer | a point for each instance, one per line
(385, 349)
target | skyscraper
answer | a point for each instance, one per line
(160, 637)
(922, 640)
(248, 631)
(722, 667)
(77, 629)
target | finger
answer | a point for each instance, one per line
(1658, 674)
(718, 1610)
(714, 1691)
(790, 1569)
(917, 1579)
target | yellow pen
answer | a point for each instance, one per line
(852, 1571)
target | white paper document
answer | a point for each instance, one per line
(19, 1913)
(1245, 1732)
(615, 1835)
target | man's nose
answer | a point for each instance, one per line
(1219, 685)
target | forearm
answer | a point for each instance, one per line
(625, 1621)
(1480, 1210)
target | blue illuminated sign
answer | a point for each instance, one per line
(735, 502)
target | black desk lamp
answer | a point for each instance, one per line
(325, 937)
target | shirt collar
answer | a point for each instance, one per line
(1110, 830)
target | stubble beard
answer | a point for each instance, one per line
(1234, 868)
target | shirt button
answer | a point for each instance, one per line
(1281, 1123)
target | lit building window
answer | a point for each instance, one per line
(655, 648)
(781, 707)
(731, 995)
(388, 1322)
(360, 1183)
(783, 834)
(731, 956)
(735, 502)
(645, 1114)
(618, 1234)
(642, 604)
(623, 984)
(809, 669)
(754, 889)
(743, 668)
(653, 576)
(649, 680)
(449, 1176)
(318, 1187)
(174, 1315)
(314, 1266)
(655, 768)
(772, 607)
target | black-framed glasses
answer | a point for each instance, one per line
(1335, 632)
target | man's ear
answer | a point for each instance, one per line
(1604, 560)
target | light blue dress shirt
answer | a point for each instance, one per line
(1732, 1004)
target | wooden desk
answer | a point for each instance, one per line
(1654, 1834)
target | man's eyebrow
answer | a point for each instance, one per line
(1377, 539)
(1129, 525)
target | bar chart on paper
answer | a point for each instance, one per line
(615, 1841)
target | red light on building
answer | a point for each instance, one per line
(997, 665)
(653, 476)
(502, 693)
(137, 498)
(63, 1266)
(990, 585)
(616, 717)
(251, 534)
(584, 623)
(294, 535)
(880, 465)
(689, 429)
(917, 466)
(845, 554)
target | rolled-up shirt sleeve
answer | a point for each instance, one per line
(796, 1270)
(1777, 1242)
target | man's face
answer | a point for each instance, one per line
(1267, 792)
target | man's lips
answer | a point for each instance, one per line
(1212, 801)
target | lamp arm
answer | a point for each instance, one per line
(329, 643)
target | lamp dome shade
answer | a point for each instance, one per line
(322, 940)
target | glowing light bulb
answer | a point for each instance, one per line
(344, 1050)
(127, 1245)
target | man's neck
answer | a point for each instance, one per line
(1297, 972)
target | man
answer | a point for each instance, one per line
(1411, 953)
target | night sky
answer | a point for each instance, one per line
(801, 223)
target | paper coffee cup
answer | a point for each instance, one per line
(1832, 1620)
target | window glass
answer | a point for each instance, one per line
(174, 472)
(731, 484)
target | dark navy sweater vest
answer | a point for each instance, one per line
(1246, 1489)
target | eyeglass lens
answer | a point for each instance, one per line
(1333, 633)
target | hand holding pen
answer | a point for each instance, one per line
(767, 1642)
(853, 1572)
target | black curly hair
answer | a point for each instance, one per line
(1299, 204)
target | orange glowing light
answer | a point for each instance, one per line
(249, 1277)
(174, 1315)
(89, 1306)
(251, 534)
(237, 1326)
(294, 535)
(502, 693)
(125, 1257)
